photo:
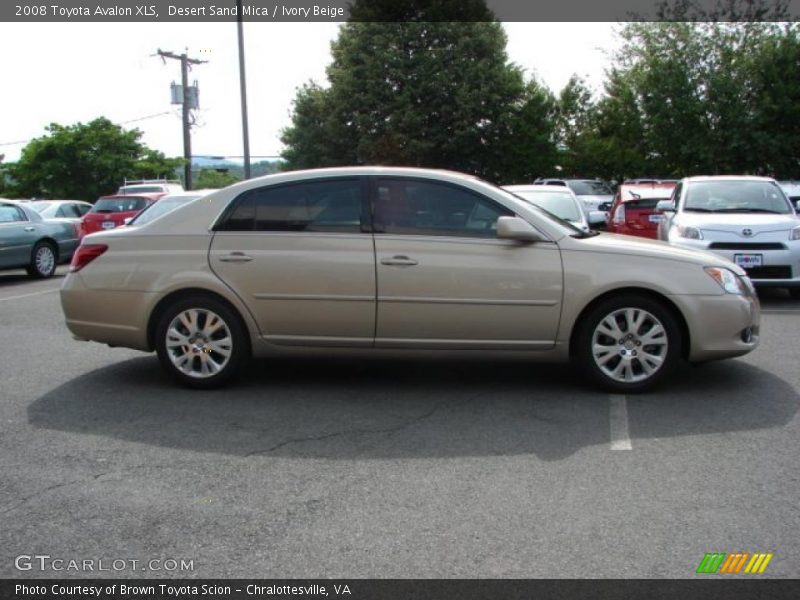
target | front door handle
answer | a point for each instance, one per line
(236, 257)
(29, 228)
(399, 261)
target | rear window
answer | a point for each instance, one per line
(39, 206)
(116, 205)
(643, 203)
(141, 189)
(590, 188)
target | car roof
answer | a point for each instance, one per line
(705, 178)
(145, 195)
(562, 189)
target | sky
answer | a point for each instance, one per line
(75, 72)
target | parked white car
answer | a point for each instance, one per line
(748, 220)
(560, 201)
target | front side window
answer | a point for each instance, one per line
(317, 206)
(416, 207)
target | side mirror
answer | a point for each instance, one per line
(665, 206)
(514, 228)
(597, 217)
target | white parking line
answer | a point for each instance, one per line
(618, 419)
(29, 295)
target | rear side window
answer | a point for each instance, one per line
(416, 207)
(317, 206)
(11, 214)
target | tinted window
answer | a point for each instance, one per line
(68, 211)
(327, 206)
(425, 208)
(10, 214)
(590, 188)
(82, 209)
(116, 205)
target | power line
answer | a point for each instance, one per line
(153, 116)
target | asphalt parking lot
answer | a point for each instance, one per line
(401, 469)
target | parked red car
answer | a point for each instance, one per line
(111, 211)
(633, 211)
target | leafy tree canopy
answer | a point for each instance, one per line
(425, 92)
(85, 161)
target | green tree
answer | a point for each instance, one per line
(409, 87)
(85, 161)
(209, 178)
(689, 98)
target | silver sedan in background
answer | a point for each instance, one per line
(28, 241)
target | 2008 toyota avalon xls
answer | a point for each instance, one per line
(399, 259)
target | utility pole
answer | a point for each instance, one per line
(243, 91)
(187, 137)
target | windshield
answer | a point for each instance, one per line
(159, 208)
(141, 189)
(590, 188)
(736, 196)
(560, 204)
(116, 205)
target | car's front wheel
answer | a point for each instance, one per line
(43, 261)
(201, 342)
(628, 344)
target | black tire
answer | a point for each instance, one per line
(794, 292)
(40, 266)
(639, 356)
(239, 343)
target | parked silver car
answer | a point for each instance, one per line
(71, 210)
(28, 241)
(390, 260)
(560, 201)
(748, 220)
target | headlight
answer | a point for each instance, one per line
(794, 234)
(728, 280)
(691, 233)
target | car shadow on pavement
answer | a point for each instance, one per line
(385, 409)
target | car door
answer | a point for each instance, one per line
(302, 259)
(446, 281)
(17, 236)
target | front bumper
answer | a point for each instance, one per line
(722, 326)
(780, 268)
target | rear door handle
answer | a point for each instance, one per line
(399, 261)
(236, 257)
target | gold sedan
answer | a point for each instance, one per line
(381, 260)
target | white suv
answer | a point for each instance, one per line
(748, 220)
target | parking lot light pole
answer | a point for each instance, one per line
(243, 90)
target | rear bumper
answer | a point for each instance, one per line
(116, 318)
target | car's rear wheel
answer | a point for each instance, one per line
(794, 292)
(201, 342)
(43, 261)
(628, 344)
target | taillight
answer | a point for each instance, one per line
(619, 214)
(85, 254)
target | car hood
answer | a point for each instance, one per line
(736, 222)
(613, 243)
